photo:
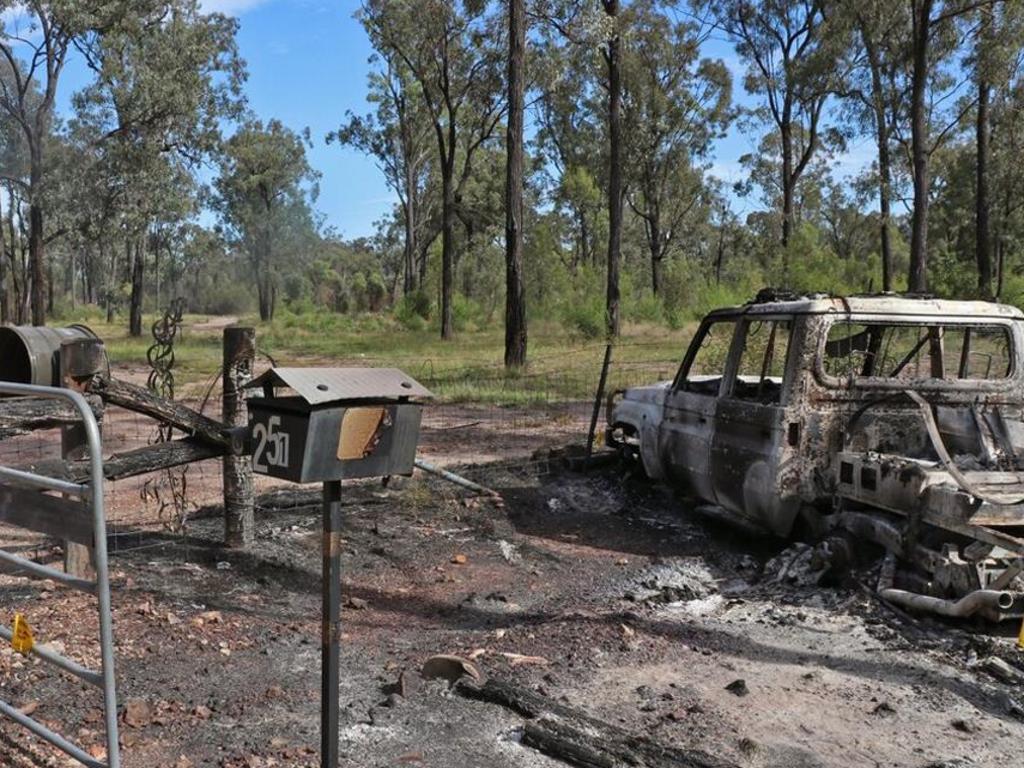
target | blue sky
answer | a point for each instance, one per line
(307, 62)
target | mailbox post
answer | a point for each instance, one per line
(339, 424)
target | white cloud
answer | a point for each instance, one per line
(230, 7)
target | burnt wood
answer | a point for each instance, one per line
(577, 738)
(21, 415)
(141, 461)
(141, 400)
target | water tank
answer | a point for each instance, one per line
(31, 355)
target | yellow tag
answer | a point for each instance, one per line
(22, 641)
(1020, 637)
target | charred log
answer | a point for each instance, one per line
(21, 415)
(141, 400)
(579, 739)
(141, 461)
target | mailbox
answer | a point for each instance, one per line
(340, 423)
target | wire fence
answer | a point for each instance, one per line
(482, 417)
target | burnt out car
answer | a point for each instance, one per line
(894, 419)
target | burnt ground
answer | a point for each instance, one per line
(609, 596)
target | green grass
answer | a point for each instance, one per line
(561, 364)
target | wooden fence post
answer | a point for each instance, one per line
(239, 358)
(80, 360)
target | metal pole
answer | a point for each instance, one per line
(597, 400)
(331, 621)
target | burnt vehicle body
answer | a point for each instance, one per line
(895, 419)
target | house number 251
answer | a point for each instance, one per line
(271, 445)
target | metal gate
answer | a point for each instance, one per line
(57, 517)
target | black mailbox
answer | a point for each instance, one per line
(340, 423)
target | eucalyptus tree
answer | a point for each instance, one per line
(791, 52)
(164, 82)
(34, 47)
(612, 54)
(453, 49)
(998, 40)
(938, 105)
(398, 135)
(877, 90)
(568, 141)
(263, 194)
(675, 105)
(515, 291)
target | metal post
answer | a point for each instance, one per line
(597, 400)
(331, 625)
(239, 500)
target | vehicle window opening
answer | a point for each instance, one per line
(706, 367)
(918, 351)
(762, 363)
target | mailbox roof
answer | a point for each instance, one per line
(326, 385)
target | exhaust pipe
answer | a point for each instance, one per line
(990, 603)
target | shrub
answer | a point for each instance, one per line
(224, 298)
(408, 317)
(648, 309)
(585, 317)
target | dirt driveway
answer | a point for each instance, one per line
(609, 598)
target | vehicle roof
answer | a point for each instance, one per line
(877, 304)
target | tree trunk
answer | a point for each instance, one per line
(447, 250)
(918, 277)
(720, 255)
(613, 57)
(409, 252)
(5, 310)
(515, 299)
(884, 161)
(37, 258)
(885, 207)
(786, 130)
(138, 274)
(983, 234)
(654, 245)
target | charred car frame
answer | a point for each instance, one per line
(894, 419)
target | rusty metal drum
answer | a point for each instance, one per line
(31, 355)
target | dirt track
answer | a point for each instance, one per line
(624, 605)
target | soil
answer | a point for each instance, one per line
(604, 594)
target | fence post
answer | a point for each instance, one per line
(598, 398)
(80, 360)
(239, 357)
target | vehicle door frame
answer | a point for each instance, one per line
(688, 421)
(749, 435)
